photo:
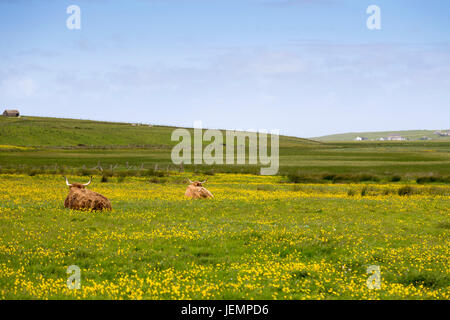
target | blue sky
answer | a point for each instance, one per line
(306, 67)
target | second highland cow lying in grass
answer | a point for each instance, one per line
(80, 198)
(196, 190)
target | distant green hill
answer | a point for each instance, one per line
(408, 134)
(56, 132)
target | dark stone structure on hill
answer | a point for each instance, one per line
(11, 113)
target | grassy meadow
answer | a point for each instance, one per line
(259, 238)
(308, 233)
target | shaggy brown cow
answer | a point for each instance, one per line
(80, 198)
(196, 191)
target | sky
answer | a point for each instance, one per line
(305, 67)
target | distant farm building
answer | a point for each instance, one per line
(396, 138)
(442, 134)
(361, 138)
(11, 113)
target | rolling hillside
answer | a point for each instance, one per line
(409, 134)
(55, 132)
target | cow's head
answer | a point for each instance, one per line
(196, 183)
(77, 185)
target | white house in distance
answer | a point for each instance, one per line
(442, 133)
(396, 138)
(361, 138)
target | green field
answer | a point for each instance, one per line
(52, 145)
(310, 232)
(259, 238)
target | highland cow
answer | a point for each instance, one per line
(196, 190)
(80, 198)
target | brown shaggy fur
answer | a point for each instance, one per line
(196, 191)
(80, 198)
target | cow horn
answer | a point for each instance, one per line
(190, 181)
(67, 182)
(90, 180)
(203, 181)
